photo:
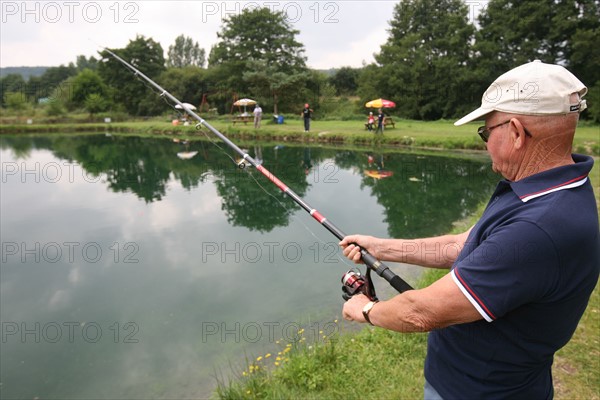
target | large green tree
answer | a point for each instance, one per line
(131, 93)
(87, 83)
(188, 84)
(513, 32)
(11, 83)
(86, 63)
(345, 80)
(271, 86)
(185, 52)
(422, 64)
(256, 36)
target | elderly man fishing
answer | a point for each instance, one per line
(521, 277)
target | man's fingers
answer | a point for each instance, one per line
(347, 240)
(354, 254)
(350, 249)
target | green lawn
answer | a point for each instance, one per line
(434, 134)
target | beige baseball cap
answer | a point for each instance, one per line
(535, 88)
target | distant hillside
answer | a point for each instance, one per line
(25, 72)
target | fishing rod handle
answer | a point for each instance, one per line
(384, 271)
(370, 261)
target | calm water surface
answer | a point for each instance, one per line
(129, 271)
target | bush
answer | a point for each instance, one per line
(55, 108)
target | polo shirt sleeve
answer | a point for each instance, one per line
(514, 265)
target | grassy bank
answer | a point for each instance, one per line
(430, 134)
(378, 364)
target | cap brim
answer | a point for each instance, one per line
(473, 116)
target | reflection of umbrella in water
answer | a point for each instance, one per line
(186, 155)
(380, 103)
(244, 102)
(378, 174)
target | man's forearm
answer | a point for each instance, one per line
(435, 252)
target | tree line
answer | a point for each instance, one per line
(436, 63)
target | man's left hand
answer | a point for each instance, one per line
(352, 310)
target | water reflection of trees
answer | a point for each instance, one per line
(423, 196)
(250, 200)
(146, 166)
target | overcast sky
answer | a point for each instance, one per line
(50, 33)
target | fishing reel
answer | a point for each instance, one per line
(354, 283)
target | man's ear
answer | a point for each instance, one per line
(517, 133)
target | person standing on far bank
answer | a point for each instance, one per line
(307, 115)
(257, 116)
(520, 279)
(380, 121)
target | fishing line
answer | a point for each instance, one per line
(292, 214)
(371, 262)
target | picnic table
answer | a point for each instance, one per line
(242, 118)
(386, 121)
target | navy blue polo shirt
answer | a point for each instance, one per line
(529, 266)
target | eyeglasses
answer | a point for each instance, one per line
(485, 133)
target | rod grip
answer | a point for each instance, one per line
(384, 271)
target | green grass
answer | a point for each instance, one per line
(423, 134)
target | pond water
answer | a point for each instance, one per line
(130, 270)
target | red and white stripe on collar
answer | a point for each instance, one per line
(580, 180)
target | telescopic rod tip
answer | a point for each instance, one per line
(97, 44)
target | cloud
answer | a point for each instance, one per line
(52, 33)
(354, 54)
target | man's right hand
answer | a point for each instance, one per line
(350, 245)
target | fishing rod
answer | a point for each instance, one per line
(351, 280)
